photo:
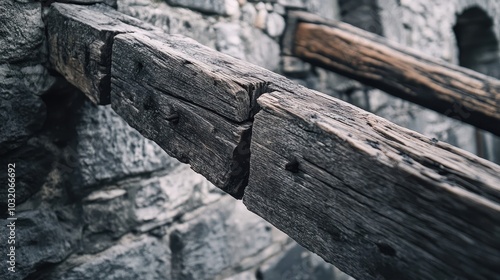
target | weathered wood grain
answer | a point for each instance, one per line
(80, 38)
(80, 42)
(214, 96)
(446, 88)
(153, 88)
(377, 200)
(210, 88)
(182, 67)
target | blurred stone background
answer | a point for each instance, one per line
(96, 200)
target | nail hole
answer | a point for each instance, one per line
(138, 68)
(386, 249)
(173, 117)
(373, 144)
(292, 166)
(148, 103)
(183, 159)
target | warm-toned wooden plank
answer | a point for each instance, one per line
(377, 200)
(80, 39)
(446, 88)
(152, 89)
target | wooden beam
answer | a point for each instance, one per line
(195, 102)
(80, 38)
(455, 91)
(375, 199)
(183, 105)
(181, 67)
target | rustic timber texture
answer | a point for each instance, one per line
(167, 63)
(195, 102)
(377, 200)
(80, 40)
(446, 88)
(209, 98)
(153, 89)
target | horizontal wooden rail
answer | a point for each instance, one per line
(193, 101)
(377, 200)
(455, 91)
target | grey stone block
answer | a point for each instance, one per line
(33, 164)
(161, 200)
(295, 262)
(107, 216)
(248, 13)
(222, 7)
(108, 149)
(247, 43)
(275, 25)
(295, 66)
(173, 20)
(219, 238)
(22, 115)
(41, 239)
(292, 3)
(133, 258)
(21, 31)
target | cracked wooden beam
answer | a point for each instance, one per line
(190, 99)
(377, 200)
(196, 103)
(194, 113)
(455, 91)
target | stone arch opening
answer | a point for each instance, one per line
(364, 14)
(478, 49)
(478, 46)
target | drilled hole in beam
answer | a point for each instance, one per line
(386, 249)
